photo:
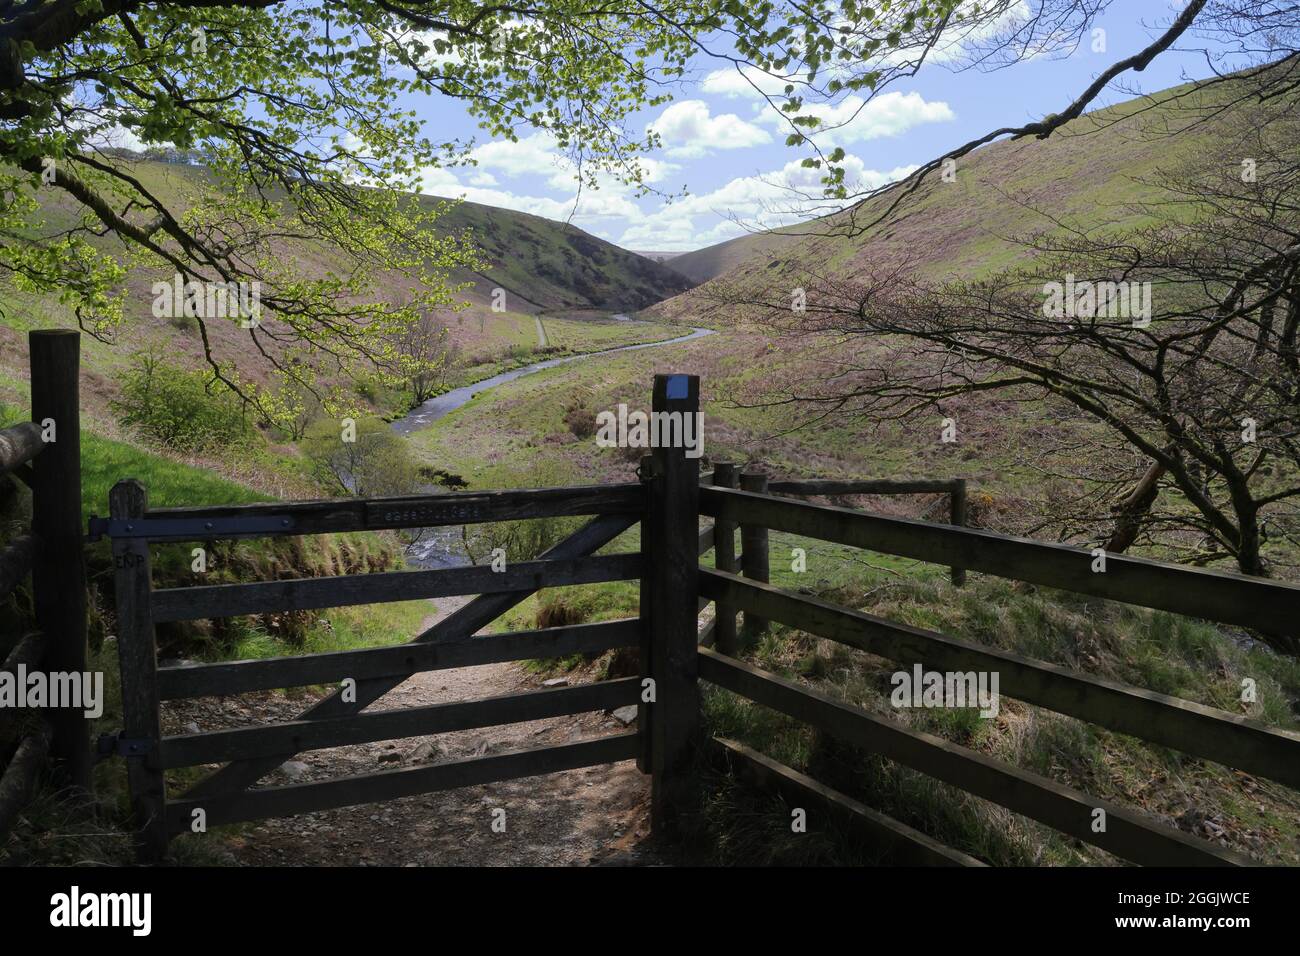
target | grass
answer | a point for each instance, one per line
(104, 462)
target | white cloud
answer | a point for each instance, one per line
(653, 171)
(747, 81)
(528, 155)
(590, 206)
(538, 155)
(687, 130)
(788, 195)
(854, 120)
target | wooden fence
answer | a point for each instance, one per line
(753, 561)
(250, 753)
(45, 455)
(668, 502)
(1192, 728)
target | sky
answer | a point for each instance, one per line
(721, 143)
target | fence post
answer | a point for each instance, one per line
(646, 472)
(58, 559)
(958, 517)
(724, 559)
(753, 552)
(139, 662)
(670, 594)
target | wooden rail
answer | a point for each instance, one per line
(392, 784)
(408, 511)
(864, 486)
(19, 444)
(899, 842)
(237, 677)
(1127, 834)
(1270, 606)
(301, 735)
(1183, 725)
(230, 600)
(954, 488)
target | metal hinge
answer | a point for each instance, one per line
(120, 745)
(188, 529)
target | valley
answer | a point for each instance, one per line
(512, 403)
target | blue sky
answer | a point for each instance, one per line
(722, 145)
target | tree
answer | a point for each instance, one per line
(363, 458)
(300, 113)
(427, 357)
(1177, 346)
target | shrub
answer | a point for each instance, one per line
(377, 462)
(580, 419)
(181, 408)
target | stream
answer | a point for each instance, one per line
(442, 547)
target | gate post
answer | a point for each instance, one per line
(670, 592)
(139, 662)
(58, 561)
(753, 552)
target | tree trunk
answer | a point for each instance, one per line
(1130, 512)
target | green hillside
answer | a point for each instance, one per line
(547, 266)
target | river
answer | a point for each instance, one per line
(442, 547)
(425, 415)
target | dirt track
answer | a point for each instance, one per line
(578, 817)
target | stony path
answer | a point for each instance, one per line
(574, 818)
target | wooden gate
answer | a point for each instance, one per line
(250, 753)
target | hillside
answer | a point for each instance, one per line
(710, 262)
(1089, 173)
(547, 266)
(548, 269)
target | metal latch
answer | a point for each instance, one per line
(120, 745)
(188, 529)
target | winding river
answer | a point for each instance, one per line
(442, 547)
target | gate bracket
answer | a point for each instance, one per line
(120, 745)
